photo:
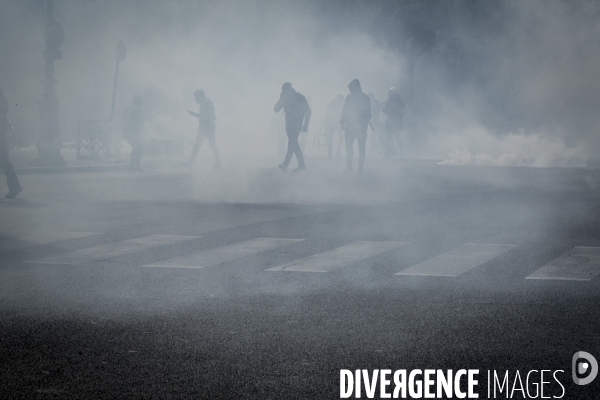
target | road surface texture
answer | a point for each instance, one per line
(249, 283)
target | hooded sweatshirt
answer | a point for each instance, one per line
(357, 109)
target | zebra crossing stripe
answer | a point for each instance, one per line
(457, 261)
(577, 264)
(223, 254)
(110, 250)
(338, 258)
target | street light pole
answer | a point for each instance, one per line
(49, 143)
(119, 56)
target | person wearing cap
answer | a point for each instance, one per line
(395, 109)
(297, 117)
(14, 188)
(206, 128)
(355, 122)
(133, 125)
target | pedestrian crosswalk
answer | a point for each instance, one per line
(110, 250)
(577, 264)
(223, 254)
(338, 258)
(457, 261)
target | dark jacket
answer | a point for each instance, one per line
(395, 110)
(206, 114)
(296, 108)
(357, 109)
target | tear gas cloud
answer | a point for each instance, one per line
(505, 83)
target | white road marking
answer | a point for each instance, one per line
(34, 238)
(223, 254)
(457, 261)
(340, 257)
(578, 264)
(109, 250)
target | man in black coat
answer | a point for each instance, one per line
(297, 118)
(355, 121)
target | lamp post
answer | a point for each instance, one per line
(119, 56)
(49, 143)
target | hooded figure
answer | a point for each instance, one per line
(14, 188)
(332, 123)
(395, 109)
(297, 117)
(379, 137)
(355, 121)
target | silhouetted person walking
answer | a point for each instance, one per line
(378, 137)
(206, 128)
(395, 109)
(332, 123)
(355, 122)
(297, 118)
(133, 124)
(14, 188)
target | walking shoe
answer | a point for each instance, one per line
(12, 193)
(300, 168)
(216, 166)
(186, 164)
(348, 170)
(283, 167)
(359, 171)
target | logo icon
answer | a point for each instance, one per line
(584, 364)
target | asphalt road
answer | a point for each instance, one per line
(254, 284)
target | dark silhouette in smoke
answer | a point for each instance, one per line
(332, 123)
(355, 121)
(14, 188)
(206, 128)
(297, 118)
(133, 124)
(378, 136)
(395, 109)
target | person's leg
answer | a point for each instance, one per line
(213, 145)
(350, 136)
(200, 136)
(382, 137)
(362, 143)
(136, 157)
(398, 137)
(290, 151)
(14, 188)
(299, 156)
(390, 149)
